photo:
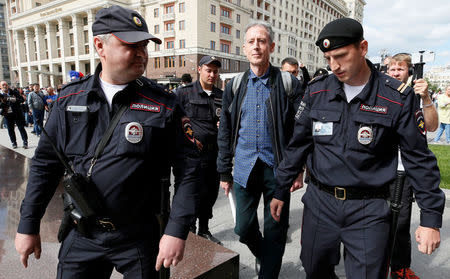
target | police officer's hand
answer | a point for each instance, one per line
(275, 209)
(428, 239)
(298, 182)
(171, 250)
(27, 244)
(421, 88)
(226, 185)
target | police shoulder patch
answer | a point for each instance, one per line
(420, 121)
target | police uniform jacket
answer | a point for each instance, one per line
(280, 111)
(333, 137)
(126, 174)
(203, 112)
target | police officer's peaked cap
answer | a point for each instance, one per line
(339, 33)
(126, 25)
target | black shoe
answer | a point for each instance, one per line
(33, 132)
(193, 229)
(210, 237)
(14, 145)
(25, 145)
(257, 266)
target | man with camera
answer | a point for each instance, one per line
(10, 108)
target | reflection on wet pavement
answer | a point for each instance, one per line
(14, 169)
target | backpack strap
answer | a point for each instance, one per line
(287, 82)
(236, 82)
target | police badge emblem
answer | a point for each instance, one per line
(326, 43)
(365, 135)
(420, 121)
(134, 132)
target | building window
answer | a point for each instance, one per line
(225, 46)
(181, 7)
(157, 62)
(238, 50)
(225, 29)
(225, 64)
(157, 47)
(182, 61)
(225, 12)
(168, 26)
(156, 12)
(169, 62)
(170, 44)
(182, 43)
(156, 31)
(212, 45)
(169, 9)
(213, 27)
(238, 18)
(213, 9)
(181, 24)
(238, 34)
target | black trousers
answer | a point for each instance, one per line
(12, 120)
(131, 251)
(401, 258)
(361, 225)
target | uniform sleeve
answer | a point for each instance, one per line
(185, 199)
(296, 152)
(44, 176)
(420, 164)
(224, 137)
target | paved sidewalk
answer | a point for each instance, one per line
(436, 266)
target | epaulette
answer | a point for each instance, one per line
(76, 81)
(397, 85)
(317, 78)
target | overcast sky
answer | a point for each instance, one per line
(408, 26)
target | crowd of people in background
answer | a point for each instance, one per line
(30, 106)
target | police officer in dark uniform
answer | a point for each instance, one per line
(147, 139)
(11, 109)
(348, 130)
(202, 102)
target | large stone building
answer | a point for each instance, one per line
(439, 75)
(4, 55)
(49, 38)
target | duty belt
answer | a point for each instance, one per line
(353, 193)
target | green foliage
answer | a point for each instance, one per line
(432, 86)
(442, 153)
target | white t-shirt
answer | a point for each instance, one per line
(110, 90)
(209, 92)
(352, 91)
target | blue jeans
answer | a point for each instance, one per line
(269, 249)
(442, 127)
(38, 118)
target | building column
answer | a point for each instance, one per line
(77, 25)
(29, 48)
(65, 45)
(92, 50)
(40, 50)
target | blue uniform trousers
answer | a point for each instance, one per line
(269, 249)
(361, 225)
(131, 251)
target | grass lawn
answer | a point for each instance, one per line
(442, 153)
